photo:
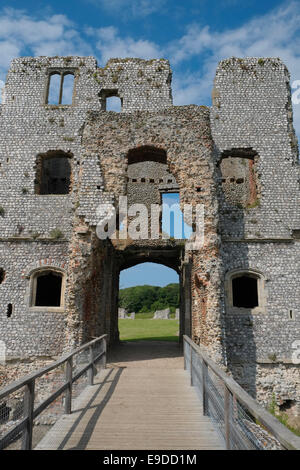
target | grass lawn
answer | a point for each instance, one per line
(148, 329)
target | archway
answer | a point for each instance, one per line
(149, 303)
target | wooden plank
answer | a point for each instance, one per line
(146, 409)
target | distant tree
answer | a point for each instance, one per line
(142, 299)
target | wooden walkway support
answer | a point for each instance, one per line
(137, 404)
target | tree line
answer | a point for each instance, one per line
(142, 299)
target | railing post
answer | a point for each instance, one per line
(104, 355)
(91, 369)
(227, 416)
(68, 396)
(28, 413)
(184, 353)
(191, 365)
(204, 392)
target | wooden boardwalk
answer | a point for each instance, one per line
(143, 400)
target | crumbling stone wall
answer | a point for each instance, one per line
(251, 114)
(195, 178)
(140, 84)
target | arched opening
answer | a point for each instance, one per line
(67, 90)
(245, 291)
(150, 183)
(149, 302)
(54, 89)
(47, 289)
(60, 87)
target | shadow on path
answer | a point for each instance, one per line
(86, 434)
(150, 353)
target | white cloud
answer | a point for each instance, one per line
(8, 51)
(273, 35)
(194, 56)
(21, 34)
(127, 8)
(110, 44)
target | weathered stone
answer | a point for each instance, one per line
(162, 314)
(122, 313)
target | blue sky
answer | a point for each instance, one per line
(194, 35)
(147, 273)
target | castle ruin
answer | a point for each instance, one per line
(61, 158)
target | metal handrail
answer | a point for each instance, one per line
(285, 437)
(26, 424)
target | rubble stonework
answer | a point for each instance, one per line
(238, 158)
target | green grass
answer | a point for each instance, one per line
(147, 329)
(144, 316)
(282, 417)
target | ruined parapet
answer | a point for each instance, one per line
(251, 120)
(141, 85)
(122, 313)
(162, 314)
(131, 316)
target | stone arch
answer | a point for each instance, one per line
(43, 263)
(147, 153)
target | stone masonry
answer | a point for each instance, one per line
(64, 164)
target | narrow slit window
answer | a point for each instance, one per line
(67, 88)
(9, 310)
(48, 290)
(245, 292)
(54, 89)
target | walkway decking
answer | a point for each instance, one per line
(143, 400)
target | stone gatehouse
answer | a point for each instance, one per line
(62, 156)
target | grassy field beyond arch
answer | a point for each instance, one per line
(148, 329)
